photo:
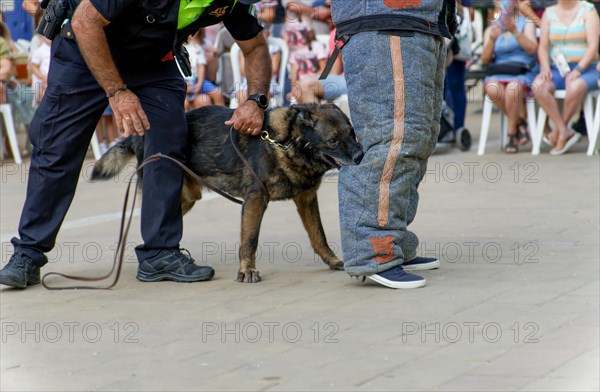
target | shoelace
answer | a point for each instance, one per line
(185, 255)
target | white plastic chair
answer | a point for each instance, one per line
(487, 117)
(95, 146)
(592, 148)
(237, 74)
(590, 117)
(9, 125)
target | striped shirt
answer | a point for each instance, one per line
(569, 38)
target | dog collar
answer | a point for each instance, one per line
(264, 135)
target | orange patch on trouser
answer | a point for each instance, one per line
(384, 248)
(402, 3)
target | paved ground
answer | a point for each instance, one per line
(514, 305)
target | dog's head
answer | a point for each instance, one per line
(326, 131)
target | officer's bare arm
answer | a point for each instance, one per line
(258, 64)
(248, 118)
(88, 26)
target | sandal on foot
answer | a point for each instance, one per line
(522, 134)
(512, 146)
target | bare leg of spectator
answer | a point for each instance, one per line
(202, 100)
(217, 97)
(545, 97)
(497, 93)
(514, 101)
(576, 91)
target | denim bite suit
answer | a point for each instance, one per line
(395, 86)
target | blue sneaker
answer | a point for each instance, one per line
(397, 278)
(421, 264)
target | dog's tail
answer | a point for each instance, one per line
(115, 159)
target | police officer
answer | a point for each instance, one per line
(121, 53)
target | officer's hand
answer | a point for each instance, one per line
(129, 115)
(248, 118)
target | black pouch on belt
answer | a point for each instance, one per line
(55, 14)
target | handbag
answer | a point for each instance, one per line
(463, 38)
(508, 68)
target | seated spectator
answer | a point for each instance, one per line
(106, 131)
(275, 89)
(5, 68)
(5, 33)
(211, 53)
(271, 15)
(201, 92)
(316, 14)
(570, 33)
(313, 90)
(454, 83)
(306, 63)
(32, 7)
(513, 41)
(534, 9)
(40, 63)
(15, 17)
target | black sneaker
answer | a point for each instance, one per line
(20, 272)
(172, 264)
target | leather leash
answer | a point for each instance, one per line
(124, 227)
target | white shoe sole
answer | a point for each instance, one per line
(422, 267)
(570, 143)
(397, 285)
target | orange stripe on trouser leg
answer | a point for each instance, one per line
(402, 3)
(392, 157)
(384, 248)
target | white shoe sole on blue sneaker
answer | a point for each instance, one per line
(395, 284)
(422, 267)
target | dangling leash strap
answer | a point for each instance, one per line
(124, 228)
(252, 172)
(334, 55)
(119, 253)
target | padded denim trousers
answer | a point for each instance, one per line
(395, 89)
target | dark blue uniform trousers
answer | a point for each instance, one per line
(61, 131)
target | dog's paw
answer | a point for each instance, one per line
(336, 265)
(249, 276)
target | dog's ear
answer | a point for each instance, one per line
(306, 116)
(333, 106)
(330, 106)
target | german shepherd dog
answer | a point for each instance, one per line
(299, 144)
